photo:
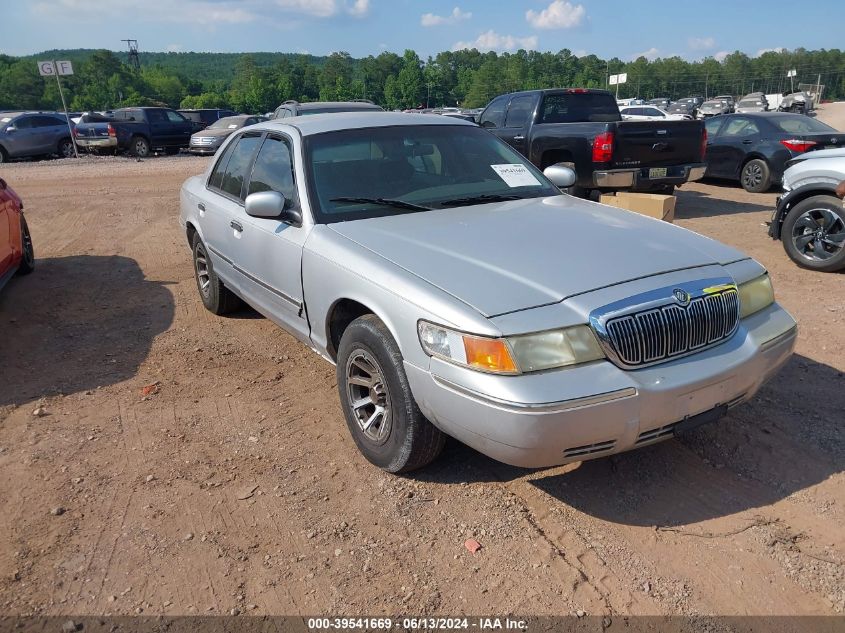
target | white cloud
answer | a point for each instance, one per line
(763, 51)
(580, 53)
(326, 8)
(359, 8)
(651, 54)
(492, 41)
(430, 19)
(701, 43)
(720, 56)
(560, 14)
(175, 48)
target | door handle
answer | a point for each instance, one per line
(519, 137)
(201, 206)
(747, 142)
(236, 225)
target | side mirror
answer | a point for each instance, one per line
(271, 204)
(11, 128)
(560, 175)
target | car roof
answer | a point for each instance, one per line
(311, 105)
(337, 121)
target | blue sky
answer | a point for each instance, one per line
(607, 28)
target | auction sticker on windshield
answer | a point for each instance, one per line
(516, 175)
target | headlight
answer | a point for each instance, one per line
(512, 355)
(755, 295)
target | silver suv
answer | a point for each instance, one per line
(809, 218)
(26, 134)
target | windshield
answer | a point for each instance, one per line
(228, 123)
(411, 168)
(799, 124)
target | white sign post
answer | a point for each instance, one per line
(54, 68)
(615, 80)
(792, 74)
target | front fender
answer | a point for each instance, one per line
(793, 197)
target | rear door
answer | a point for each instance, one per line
(737, 136)
(161, 132)
(221, 211)
(519, 116)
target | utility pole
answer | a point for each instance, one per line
(428, 95)
(134, 60)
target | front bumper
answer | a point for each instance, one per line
(555, 417)
(641, 179)
(205, 150)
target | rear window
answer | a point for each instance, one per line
(800, 124)
(750, 103)
(579, 108)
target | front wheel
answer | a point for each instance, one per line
(813, 234)
(27, 264)
(381, 413)
(756, 177)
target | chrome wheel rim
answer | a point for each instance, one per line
(141, 148)
(752, 175)
(818, 234)
(203, 273)
(368, 396)
(66, 149)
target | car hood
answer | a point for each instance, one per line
(504, 257)
(222, 133)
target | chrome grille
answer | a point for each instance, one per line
(669, 331)
(202, 140)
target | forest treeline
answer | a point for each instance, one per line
(258, 82)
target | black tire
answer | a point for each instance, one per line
(4, 156)
(403, 440)
(216, 297)
(139, 146)
(27, 264)
(65, 148)
(813, 234)
(756, 177)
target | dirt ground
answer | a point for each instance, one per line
(232, 485)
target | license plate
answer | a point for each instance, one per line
(657, 172)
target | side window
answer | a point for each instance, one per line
(494, 115)
(712, 126)
(174, 117)
(216, 178)
(273, 170)
(519, 111)
(24, 122)
(156, 116)
(239, 161)
(653, 112)
(45, 121)
(740, 127)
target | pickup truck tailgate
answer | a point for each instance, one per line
(92, 130)
(657, 144)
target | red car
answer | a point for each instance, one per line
(16, 252)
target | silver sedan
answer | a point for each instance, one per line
(460, 293)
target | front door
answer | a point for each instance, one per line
(520, 112)
(270, 254)
(737, 137)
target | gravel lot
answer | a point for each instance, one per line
(230, 484)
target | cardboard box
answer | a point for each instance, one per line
(651, 204)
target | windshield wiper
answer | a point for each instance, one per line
(387, 202)
(481, 199)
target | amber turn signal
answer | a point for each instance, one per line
(489, 355)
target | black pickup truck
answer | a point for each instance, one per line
(584, 130)
(136, 130)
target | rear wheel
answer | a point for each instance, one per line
(756, 177)
(813, 234)
(4, 157)
(381, 413)
(216, 297)
(139, 146)
(27, 264)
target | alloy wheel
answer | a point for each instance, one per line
(203, 274)
(368, 396)
(752, 175)
(66, 149)
(818, 234)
